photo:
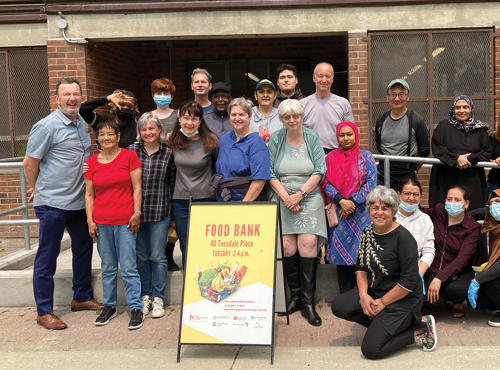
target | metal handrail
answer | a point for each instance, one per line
(387, 159)
(25, 222)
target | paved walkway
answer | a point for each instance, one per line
(462, 343)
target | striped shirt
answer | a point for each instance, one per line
(158, 182)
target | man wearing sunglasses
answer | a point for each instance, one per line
(400, 132)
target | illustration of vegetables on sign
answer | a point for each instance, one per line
(219, 280)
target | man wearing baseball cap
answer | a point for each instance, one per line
(217, 118)
(265, 119)
(401, 132)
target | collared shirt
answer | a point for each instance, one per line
(158, 182)
(62, 148)
(219, 125)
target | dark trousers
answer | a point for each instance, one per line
(488, 295)
(377, 342)
(53, 221)
(454, 291)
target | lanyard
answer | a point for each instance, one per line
(444, 247)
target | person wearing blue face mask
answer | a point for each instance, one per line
(484, 289)
(418, 223)
(163, 91)
(195, 149)
(456, 236)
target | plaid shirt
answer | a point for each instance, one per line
(158, 182)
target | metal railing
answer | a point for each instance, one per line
(14, 163)
(387, 159)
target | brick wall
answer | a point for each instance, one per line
(496, 61)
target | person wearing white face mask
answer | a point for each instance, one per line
(456, 235)
(418, 223)
(484, 291)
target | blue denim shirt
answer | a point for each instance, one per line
(62, 148)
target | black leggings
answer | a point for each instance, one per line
(377, 342)
(455, 291)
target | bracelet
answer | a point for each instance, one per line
(382, 300)
(139, 212)
(361, 296)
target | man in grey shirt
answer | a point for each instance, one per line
(58, 145)
(217, 119)
(323, 111)
(400, 132)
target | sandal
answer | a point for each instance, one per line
(458, 311)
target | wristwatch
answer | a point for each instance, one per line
(304, 194)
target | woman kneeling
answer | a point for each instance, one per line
(388, 297)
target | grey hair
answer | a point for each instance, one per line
(153, 119)
(245, 104)
(288, 106)
(201, 70)
(384, 195)
(325, 63)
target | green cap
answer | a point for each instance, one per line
(399, 81)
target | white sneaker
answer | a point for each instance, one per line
(158, 310)
(146, 304)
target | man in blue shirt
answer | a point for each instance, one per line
(58, 145)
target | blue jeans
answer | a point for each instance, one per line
(489, 189)
(116, 244)
(53, 221)
(181, 215)
(151, 259)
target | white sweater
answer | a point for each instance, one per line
(422, 229)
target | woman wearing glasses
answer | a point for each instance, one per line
(460, 142)
(297, 168)
(418, 223)
(195, 150)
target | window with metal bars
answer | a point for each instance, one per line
(24, 96)
(438, 66)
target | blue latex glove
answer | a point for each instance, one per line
(423, 284)
(472, 293)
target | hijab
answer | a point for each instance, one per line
(471, 123)
(493, 226)
(345, 168)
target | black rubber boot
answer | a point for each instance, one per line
(308, 267)
(169, 251)
(291, 266)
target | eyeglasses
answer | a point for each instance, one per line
(288, 118)
(408, 194)
(394, 95)
(190, 118)
(221, 96)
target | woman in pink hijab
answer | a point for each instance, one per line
(351, 175)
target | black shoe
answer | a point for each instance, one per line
(136, 319)
(495, 321)
(169, 252)
(308, 268)
(106, 315)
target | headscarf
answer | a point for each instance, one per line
(493, 226)
(471, 123)
(345, 168)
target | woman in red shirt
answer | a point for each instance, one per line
(113, 206)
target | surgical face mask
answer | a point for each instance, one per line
(162, 101)
(124, 113)
(409, 208)
(189, 135)
(454, 209)
(495, 210)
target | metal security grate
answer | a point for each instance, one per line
(438, 65)
(24, 97)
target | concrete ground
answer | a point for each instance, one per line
(8, 246)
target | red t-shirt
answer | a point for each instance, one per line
(114, 201)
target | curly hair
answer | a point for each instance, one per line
(127, 93)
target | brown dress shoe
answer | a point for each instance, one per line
(51, 322)
(91, 305)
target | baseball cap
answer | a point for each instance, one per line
(222, 86)
(265, 82)
(400, 82)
